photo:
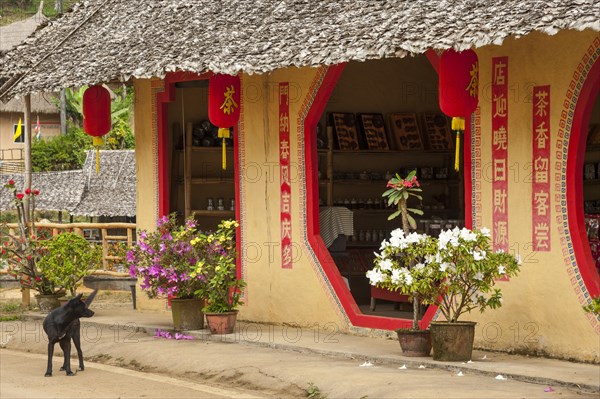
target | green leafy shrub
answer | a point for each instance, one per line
(69, 258)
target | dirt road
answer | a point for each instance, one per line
(20, 378)
(262, 371)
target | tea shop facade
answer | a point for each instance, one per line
(558, 274)
(537, 111)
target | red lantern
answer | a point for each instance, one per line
(224, 105)
(458, 87)
(96, 116)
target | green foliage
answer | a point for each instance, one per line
(69, 258)
(62, 152)
(313, 392)
(399, 191)
(456, 271)
(593, 307)
(217, 265)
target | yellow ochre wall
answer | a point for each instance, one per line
(541, 312)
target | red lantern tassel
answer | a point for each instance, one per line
(458, 125)
(98, 142)
(224, 134)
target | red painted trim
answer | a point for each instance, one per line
(577, 145)
(434, 59)
(467, 175)
(316, 242)
(162, 101)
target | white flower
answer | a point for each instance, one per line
(479, 255)
(419, 266)
(468, 235)
(398, 233)
(408, 279)
(485, 232)
(501, 269)
(478, 276)
(443, 266)
(395, 242)
(396, 276)
(386, 264)
(384, 244)
(375, 276)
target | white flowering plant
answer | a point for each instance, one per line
(456, 271)
(402, 266)
(468, 269)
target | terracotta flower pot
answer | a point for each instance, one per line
(47, 303)
(414, 343)
(452, 341)
(187, 314)
(221, 323)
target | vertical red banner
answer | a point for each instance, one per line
(540, 198)
(500, 152)
(284, 173)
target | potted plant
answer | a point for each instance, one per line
(401, 260)
(165, 261)
(467, 269)
(217, 266)
(402, 266)
(22, 250)
(68, 259)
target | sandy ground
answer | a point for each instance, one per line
(265, 372)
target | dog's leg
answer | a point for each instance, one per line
(77, 342)
(50, 354)
(65, 345)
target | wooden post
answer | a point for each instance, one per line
(187, 168)
(104, 249)
(27, 136)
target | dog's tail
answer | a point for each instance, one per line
(89, 299)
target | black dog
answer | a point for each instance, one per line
(62, 325)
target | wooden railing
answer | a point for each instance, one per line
(107, 235)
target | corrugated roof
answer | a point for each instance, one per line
(82, 192)
(108, 40)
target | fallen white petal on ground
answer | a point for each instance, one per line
(366, 364)
(484, 357)
(403, 367)
(460, 374)
(549, 389)
(422, 367)
(501, 377)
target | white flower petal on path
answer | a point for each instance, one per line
(403, 367)
(366, 364)
(460, 374)
(484, 357)
(422, 367)
(501, 377)
(470, 361)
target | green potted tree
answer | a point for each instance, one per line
(165, 261)
(217, 265)
(402, 266)
(400, 256)
(467, 269)
(67, 260)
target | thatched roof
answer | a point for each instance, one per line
(112, 191)
(59, 191)
(105, 40)
(82, 192)
(40, 103)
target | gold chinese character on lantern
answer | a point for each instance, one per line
(474, 83)
(229, 104)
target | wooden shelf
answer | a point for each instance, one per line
(211, 180)
(416, 152)
(221, 214)
(209, 149)
(426, 182)
(593, 182)
(360, 244)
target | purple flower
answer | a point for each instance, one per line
(132, 270)
(167, 237)
(190, 223)
(163, 220)
(143, 235)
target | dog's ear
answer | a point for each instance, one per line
(78, 297)
(89, 299)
